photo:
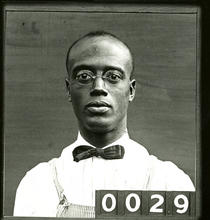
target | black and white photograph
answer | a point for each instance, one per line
(101, 111)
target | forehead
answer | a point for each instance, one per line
(100, 50)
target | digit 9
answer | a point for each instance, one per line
(181, 202)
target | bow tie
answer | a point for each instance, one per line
(83, 152)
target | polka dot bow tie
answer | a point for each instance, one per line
(83, 152)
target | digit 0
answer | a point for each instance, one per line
(137, 200)
(182, 207)
(104, 200)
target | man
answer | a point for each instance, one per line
(100, 86)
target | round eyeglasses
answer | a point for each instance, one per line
(87, 76)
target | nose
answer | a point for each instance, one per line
(98, 87)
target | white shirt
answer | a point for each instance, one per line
(37, 196)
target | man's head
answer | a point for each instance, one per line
(100, 83)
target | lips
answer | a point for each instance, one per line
(98, 107)
(98, 104)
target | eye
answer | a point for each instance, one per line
(84, 76)
(113, 76)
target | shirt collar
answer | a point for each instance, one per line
(121, 141)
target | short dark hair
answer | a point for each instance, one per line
(98, 33)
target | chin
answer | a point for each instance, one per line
(99, 130)
(99, 126)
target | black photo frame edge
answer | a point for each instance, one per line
(203, 115)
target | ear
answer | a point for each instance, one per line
(68, 89)
(132, 90)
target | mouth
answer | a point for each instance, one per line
(98, 107)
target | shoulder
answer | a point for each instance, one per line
(39, 173)
(43, 173)
(37, 180)
(168, 176)
(41, 168)
(36, 194)
(162, 175)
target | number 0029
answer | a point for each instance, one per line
(118, 203)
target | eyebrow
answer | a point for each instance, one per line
(82, 67)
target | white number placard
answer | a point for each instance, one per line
(119, 203)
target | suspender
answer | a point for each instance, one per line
(63, 203)
(64, 208)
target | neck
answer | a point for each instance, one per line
(102, 139)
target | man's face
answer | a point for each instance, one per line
(99, 83)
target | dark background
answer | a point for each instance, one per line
(39, 121)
